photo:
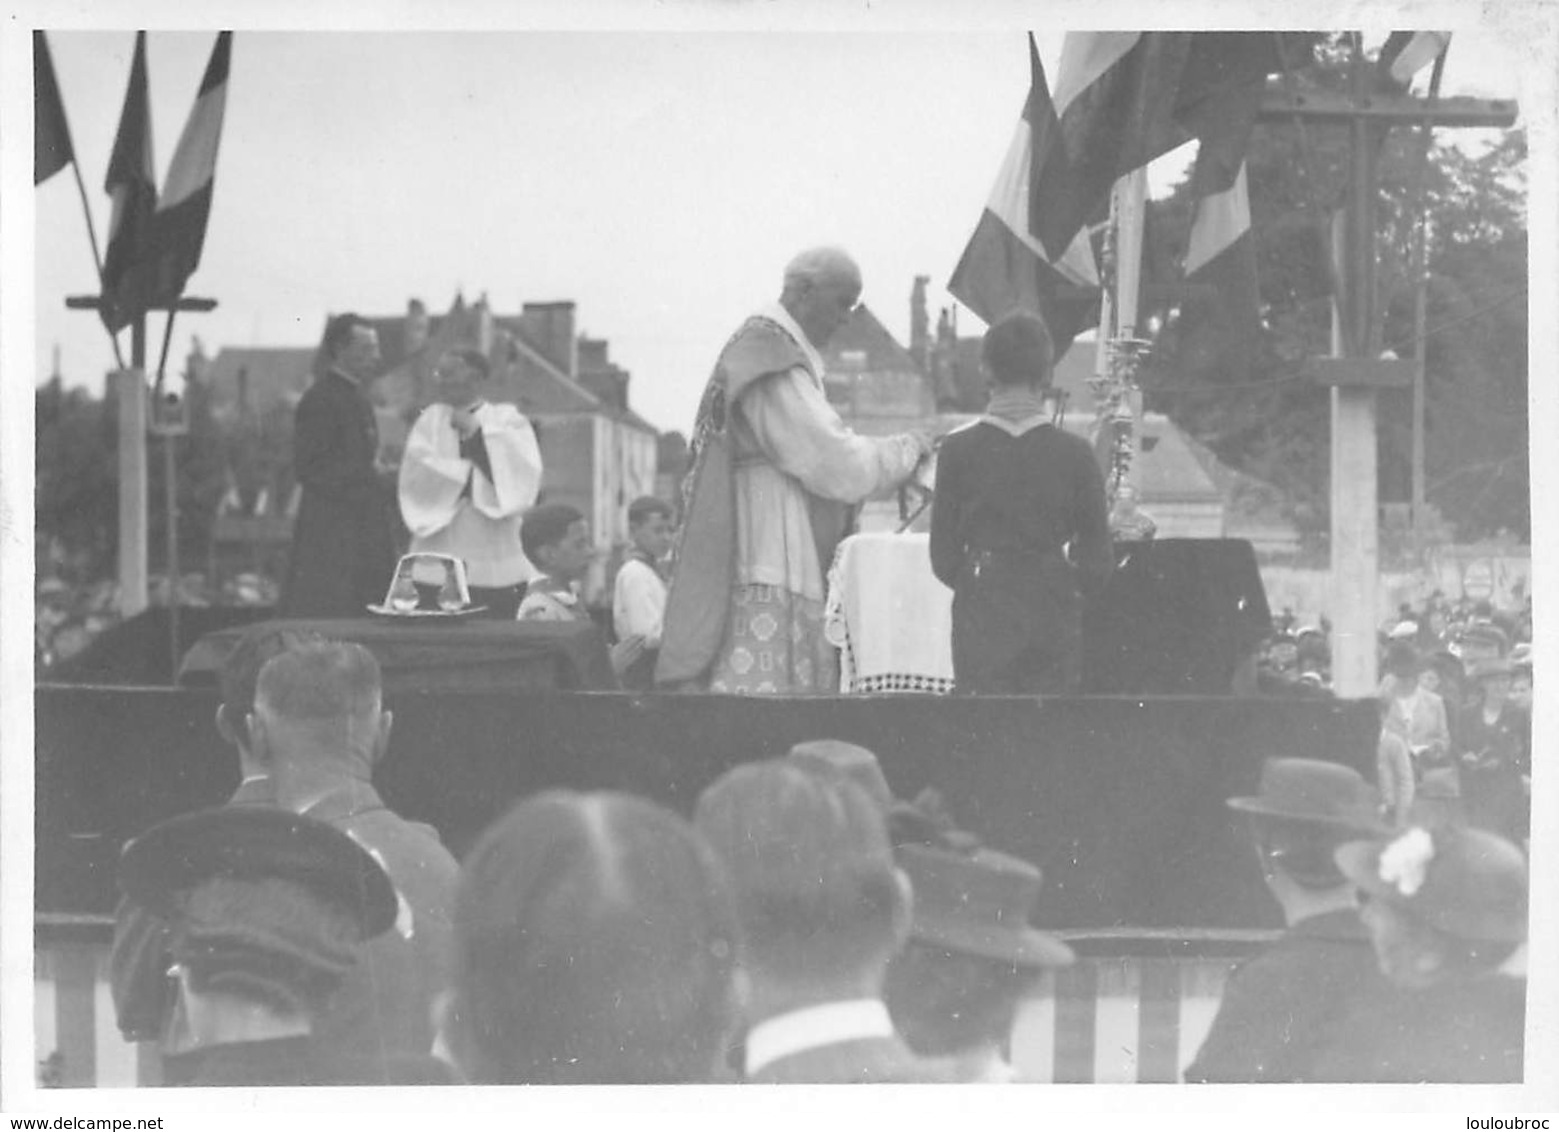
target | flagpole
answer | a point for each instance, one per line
(97, 257)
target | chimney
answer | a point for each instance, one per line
(550, 329)
(484, 325)
(919, 323)
(415, 336)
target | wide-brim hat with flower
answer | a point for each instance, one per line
(1467, 883)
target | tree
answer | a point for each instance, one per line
(1249, 401)
(76, 490)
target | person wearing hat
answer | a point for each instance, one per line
(1414, 713)
(144, 1006)
(267, 912)
(1447, 914)
(1482, 640)
(1496, 752)
(1278, 1008)
(320, 726)
(972, 956)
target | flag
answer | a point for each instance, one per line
(1125, 98)
(1221, 322)
(128, 284)
(1405, 53)
(51, 148)
(1004, 268)
(179, 226)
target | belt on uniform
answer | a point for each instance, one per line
(978, 560)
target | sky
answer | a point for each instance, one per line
(660, 179)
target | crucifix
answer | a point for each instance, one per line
(1354, 372)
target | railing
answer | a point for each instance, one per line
(1134, 1008)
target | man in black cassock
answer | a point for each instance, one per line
(344, 540)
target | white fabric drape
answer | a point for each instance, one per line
(482, 528)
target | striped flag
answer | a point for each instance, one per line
(1004, 268)
(51, 148)
(1125, 98)
(1220, 326)
(128, 285)
(179, 227)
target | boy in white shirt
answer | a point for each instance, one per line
(639, 594)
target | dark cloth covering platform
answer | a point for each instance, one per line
(1120, 800)
(427, 654)
(1176, 618)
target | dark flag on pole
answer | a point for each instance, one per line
(128, 276)
(179, 227)
(1004, 268)
(51, 148)
(1124, 98)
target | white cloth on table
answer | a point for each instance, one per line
(482, 526)
(888, 615)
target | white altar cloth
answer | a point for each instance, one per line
(891, 620)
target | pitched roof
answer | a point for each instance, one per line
(864, 333)
(272, 374)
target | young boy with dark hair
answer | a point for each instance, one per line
(556, 538)
(1019, 528)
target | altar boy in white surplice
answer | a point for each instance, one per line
(471, 469)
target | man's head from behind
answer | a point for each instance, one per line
(822, 905)
(241, 673)
(320, 702)
(1017, 351)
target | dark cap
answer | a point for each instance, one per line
(1314, 793)
(165, 865)
(979, 904)
(1467, 883)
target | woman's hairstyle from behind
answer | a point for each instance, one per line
(595, 944)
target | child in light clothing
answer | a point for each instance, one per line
(639, 593)
(556, 538)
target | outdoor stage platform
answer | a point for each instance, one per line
(1119, 799)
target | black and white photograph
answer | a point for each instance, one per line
(741, 544)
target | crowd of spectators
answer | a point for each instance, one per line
(804, 927)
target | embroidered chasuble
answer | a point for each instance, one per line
(774, 475)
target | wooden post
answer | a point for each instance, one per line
(130, 385)
(1351, 371)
